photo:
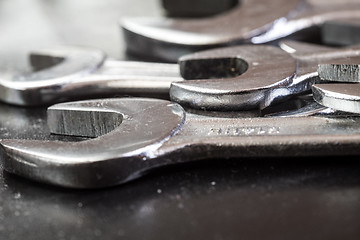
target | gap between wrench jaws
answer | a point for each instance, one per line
(155, 133)
(252, 21)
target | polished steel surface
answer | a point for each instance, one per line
(251, 198)
(233, 78)
(344, 97)
(155, 133)
(243, 77)
(69, 73)
(136, 134)
(168, 39)
(255, 21)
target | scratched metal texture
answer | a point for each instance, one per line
(288, 198)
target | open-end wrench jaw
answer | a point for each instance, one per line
(75, 73)
(251, 21)
(58, 66)
(149, 133)
(133, 129)
(168, 39)
(234, 78)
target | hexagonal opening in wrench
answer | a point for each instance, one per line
(213, 68)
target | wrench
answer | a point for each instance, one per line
(150, 133)
(73, 72)
(74, 76)
(252, 21)
(259, 85)
(250, 80)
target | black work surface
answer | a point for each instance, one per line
(292, 198)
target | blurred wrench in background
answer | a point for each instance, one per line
(66, 73)
(341, 32)
(251, 21)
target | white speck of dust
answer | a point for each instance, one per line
(17, 195)
(255, 63)
(80, 204)
(213, 183)
(159, 191)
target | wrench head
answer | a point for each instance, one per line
(57, 66)
(245, 77)
(133, 129)
(168, 39)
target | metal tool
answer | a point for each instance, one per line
(251, 80)
(344, 93)
(252, 21)
(233, 78)
(71, 73)
(68, 73)
(344, 97)
(271, 75)
(150, 133)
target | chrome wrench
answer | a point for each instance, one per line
(252, 21)
(143, 134)
(66, 73)
(259, 85)
(223, 79)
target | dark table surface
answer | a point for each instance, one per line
(287, 198)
